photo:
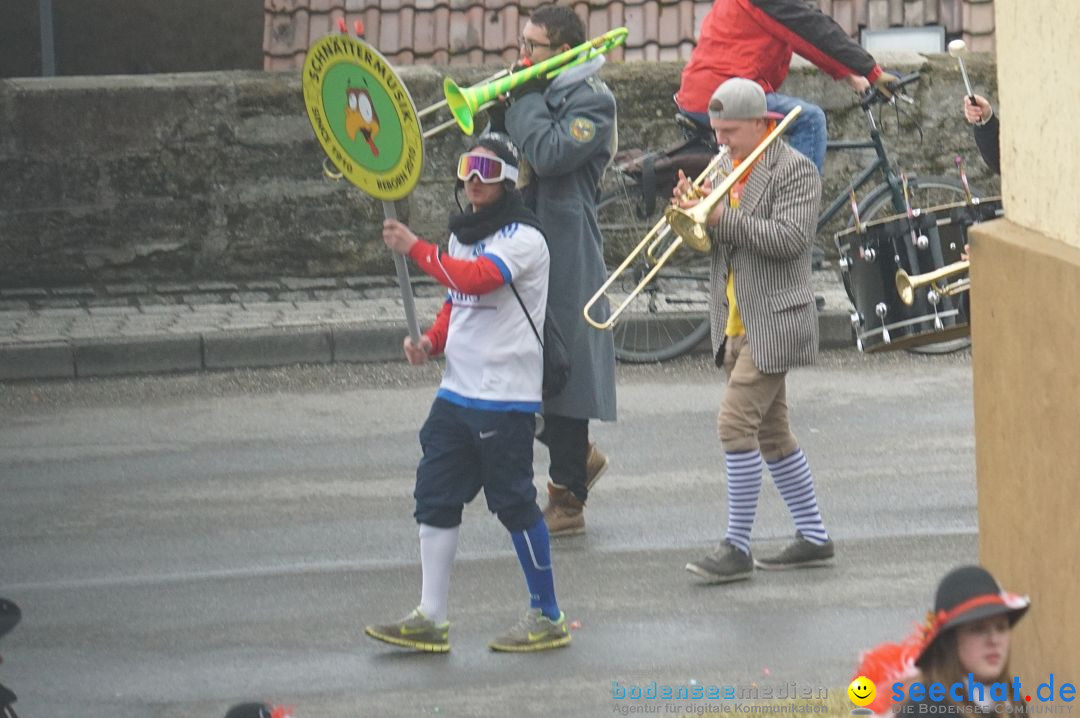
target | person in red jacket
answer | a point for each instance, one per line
(755, 39)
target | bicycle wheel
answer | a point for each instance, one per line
(670, 316)
(930, 191)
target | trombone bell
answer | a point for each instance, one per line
(906, 284)
(463, 104)
(690, 226)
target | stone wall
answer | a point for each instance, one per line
(218, 176)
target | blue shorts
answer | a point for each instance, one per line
(469, 449)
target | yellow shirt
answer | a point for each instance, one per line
(735, 326)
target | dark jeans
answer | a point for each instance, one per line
(567, 441)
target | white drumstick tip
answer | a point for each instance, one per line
(957, 47)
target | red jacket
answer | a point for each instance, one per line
(755, 38)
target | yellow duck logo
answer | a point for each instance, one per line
(361, 118)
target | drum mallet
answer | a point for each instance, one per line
(957, 48)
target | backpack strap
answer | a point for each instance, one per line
(526, 311)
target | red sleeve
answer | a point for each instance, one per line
(440, 328)
(815, 36)
(478, 276)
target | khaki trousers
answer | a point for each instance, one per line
(754, 413)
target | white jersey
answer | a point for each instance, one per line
(493, 359)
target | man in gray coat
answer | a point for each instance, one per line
(566, 132)
(763, 324)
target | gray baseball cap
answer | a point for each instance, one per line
(740, 99)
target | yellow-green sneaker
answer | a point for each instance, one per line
(534, 632)
(415, 631)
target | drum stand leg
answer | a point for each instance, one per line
(881, 310)
(934, 298)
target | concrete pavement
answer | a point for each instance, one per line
(122, 329)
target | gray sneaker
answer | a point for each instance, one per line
(724, 565)
(415, 631)
(800, 553)
(534, 632)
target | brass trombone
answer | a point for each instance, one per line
(465, 102)
(906, 284)
(647, 247)
(688, 225)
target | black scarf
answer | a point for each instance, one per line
(471, 226)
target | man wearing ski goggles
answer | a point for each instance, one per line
(486, 168)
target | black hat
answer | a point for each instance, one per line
(501, 145)
(968, 594)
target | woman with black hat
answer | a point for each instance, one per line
(965, 640)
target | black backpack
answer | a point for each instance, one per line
(556, 355)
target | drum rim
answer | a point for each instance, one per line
(916, 213)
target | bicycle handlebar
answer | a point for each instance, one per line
(874, 96)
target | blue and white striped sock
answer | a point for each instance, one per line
(796, 484)
(743, 487)
(533, 547)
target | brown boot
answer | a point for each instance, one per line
(596, 463)
(564, 513)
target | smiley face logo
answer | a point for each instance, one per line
(862, 691)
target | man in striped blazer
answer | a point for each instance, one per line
(764, 323)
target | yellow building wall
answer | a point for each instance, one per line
(1039, 81)
(1025, 298)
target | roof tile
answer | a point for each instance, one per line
(978, 18)
(463, 32)
(914, 13)
(844, 14)
(878, 14)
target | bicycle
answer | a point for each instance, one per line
(670, 316)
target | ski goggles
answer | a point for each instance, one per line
(486, 168)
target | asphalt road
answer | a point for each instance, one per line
(180, 544)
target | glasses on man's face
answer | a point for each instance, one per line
(531, 45)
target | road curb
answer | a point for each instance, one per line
(252, 348)
(138, 355)
(48, 360)
(268, 347)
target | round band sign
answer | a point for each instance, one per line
(363, 116)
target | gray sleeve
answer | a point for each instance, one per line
(559, 143)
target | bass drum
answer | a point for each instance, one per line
(872, 254)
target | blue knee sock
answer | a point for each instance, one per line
(533, 547)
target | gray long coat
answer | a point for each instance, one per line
(768, 241)
(567, 136)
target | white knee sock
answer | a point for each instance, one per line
(437, 549)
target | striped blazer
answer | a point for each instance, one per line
(767, 241)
